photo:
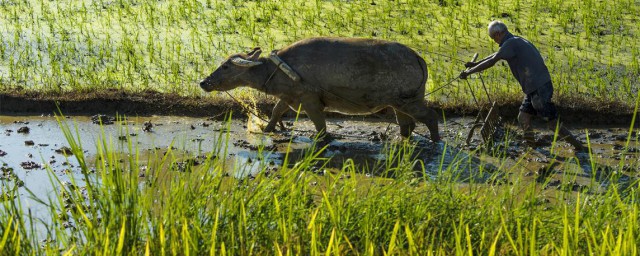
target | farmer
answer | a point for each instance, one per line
(528, 67)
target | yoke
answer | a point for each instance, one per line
(284, 66)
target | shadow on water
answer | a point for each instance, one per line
(33, 151)
(31, 144)
(34, 155)
(417, 157)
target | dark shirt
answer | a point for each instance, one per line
(525, 61)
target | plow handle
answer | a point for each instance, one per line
(475, 57)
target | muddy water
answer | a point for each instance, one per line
(29, 145)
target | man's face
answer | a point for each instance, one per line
(497, 37)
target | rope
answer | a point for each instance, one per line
(442, 86)
(446, 56)
(245, 108)
(264, 85)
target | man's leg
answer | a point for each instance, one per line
(527, 111)
(524, 119)
(541, 101)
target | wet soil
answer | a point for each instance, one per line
(33, 147)
(146, 103)
(42, 167)
(372, 144)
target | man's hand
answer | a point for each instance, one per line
(470, 64)
(464, 74)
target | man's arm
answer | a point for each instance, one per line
(480, 61)
(485, 63)
(507, 51)
(473, 64)
(490, 56)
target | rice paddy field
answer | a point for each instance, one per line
(115, 197)
(591, 47)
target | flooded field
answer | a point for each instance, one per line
(32, 148)
(171, 156)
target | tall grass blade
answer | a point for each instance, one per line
(7, 228)
(394, 235)
(121, 238)
(410, 240)
(331, 241)
(494, 245)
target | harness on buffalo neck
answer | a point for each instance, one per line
(283, 66)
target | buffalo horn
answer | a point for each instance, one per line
(244, 63)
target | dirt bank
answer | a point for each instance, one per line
(148, 103)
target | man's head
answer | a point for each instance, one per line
(497, 30)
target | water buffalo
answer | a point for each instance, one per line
(345, 75)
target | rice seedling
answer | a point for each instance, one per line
(128, 202)
(169, 46)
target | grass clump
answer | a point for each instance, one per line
(78, 46)
(141, 204)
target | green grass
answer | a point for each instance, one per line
(66, 46)
(55, 46)
(114, 210)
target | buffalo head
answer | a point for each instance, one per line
(231, 72)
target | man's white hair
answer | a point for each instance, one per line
(497, 26)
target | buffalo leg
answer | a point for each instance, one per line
(424, 114)
(315, 111)
(276, 115)
(406, 122)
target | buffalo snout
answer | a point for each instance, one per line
(206, 85)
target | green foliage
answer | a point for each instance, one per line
(135, 203)
(122, 207)
(590, 46)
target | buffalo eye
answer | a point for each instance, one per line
(224, 67)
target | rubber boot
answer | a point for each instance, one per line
(524, 120)
(529, 138)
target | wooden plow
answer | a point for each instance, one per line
(489, 122)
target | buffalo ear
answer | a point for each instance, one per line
(255, 54)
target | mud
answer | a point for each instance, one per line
(372, 146)
(147, 103)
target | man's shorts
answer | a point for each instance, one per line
(538, 103)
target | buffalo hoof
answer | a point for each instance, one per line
(272, 128)
(324, 140)
(323, 137)
(269, 129)
(399, 140)
(283, 127)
